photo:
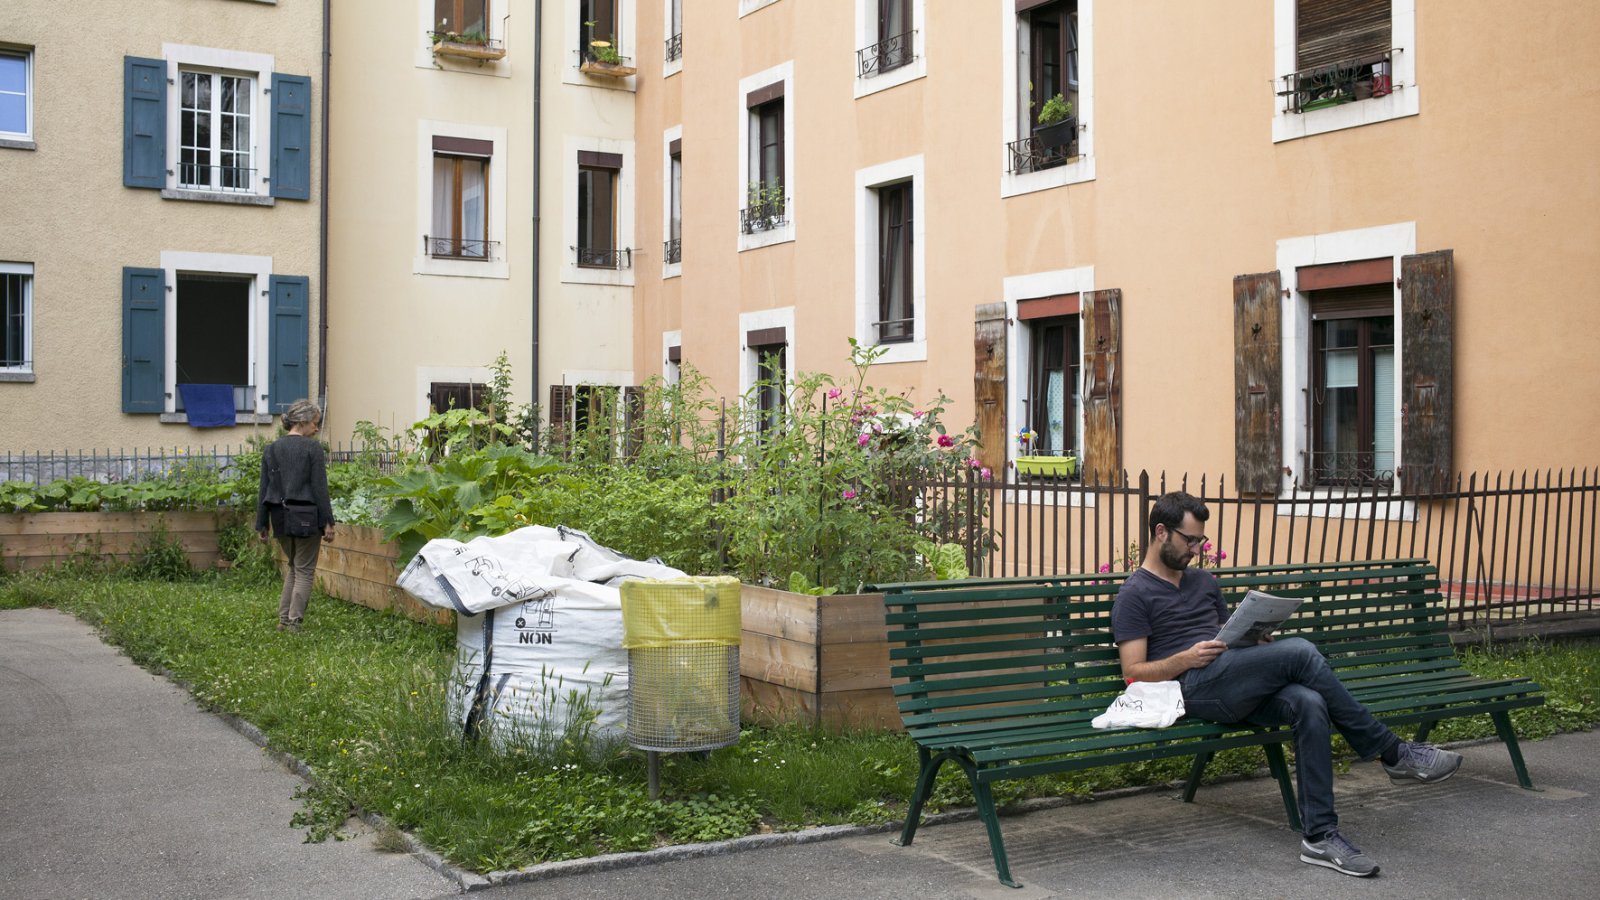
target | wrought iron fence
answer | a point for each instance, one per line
(1507, 545)
(886, 55)
(604, 258)
(675, 47)
(1032, 154)
(1341, 82)
(764, 216)
(672, 252)
(130, 464)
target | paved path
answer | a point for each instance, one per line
(113, 783)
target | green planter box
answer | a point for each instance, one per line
(1047, 466)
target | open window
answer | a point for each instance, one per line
(1352, 369)
(672, 251)
(765, 198)
(598, 175)
(896, 322)
(1047, 64)
(769, 349)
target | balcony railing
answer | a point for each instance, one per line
(467, 46)
(675, 47)
(223, 179)
(895, 331)
(1351, 469)
(673, 251)
(600, 61)
(886, 55)
(459, 248)
(764, 216)
(604, 258)
(1033, 153)
(1342, 82)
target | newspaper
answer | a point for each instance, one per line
(1255, 617)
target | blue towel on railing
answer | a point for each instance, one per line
(208, 405)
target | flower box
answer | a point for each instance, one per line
(606, 69)
(479, 50)
(1047, 466)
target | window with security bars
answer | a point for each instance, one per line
(15, 319)
(1343, 53)
(216, 138)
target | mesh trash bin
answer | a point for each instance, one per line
(682, 638)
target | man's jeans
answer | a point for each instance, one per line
(1287, 682)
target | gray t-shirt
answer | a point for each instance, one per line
(1172, 618)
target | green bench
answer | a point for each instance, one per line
(1003, 676)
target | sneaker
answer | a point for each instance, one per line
(1338, 854)
(1421, 762)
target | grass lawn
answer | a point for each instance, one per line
(359, 696)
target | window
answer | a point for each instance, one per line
(213, 335)
(674, 48)
(597, 211)
(1053, 378)
(597, 21)
(460, 199)
(16, 319)
(216, 137)
(1048, 47)
(893, 44)
(1352, 385)
(1342, 64)
(673, 252)
(765, 199)
(16, 95)
(896, 320)
(771, 380)
(469, 18)
(444, 396)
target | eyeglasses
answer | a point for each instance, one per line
(1194, 540)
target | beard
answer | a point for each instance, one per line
(1174, 558)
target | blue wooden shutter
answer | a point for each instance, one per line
(291, 136)
(289, 354)
(144, 340)
(144, 122)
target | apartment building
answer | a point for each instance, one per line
(481, 202)
(159, 268)
(1287, 242)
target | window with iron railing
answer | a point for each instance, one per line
(1334, 84)
(216, 132)
(896, 317)
(1352, 396)
(1048, 98)
(674, 49)
(460, 248)
(604, 257)
(672, 251)
(460, 207)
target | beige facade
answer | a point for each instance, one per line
(428, 287)
(1189, 169)
(159, 188)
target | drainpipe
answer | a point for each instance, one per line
(538, 80)
(322, 215)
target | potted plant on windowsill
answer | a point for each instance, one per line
(472, 45)
(1056, 123)
(601, 58)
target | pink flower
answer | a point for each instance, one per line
(1222, 555)
(1105, 567)
(864, 439)
(974, 462)
(834, 393)
(916, 414)
(946, 440)
(986, 473)
(847, 494)
(1206, 547)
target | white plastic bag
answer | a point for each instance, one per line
(1145, 704)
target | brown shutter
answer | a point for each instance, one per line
(763, 95)
(1330, 31)
(1047, 307)
(1102, 386)
(1257, 383)
(598, 160)
(560, 412)
(766, 337)
(989, 382)
(675, 354)
(1427, 300)
(675, 147)
(462, 146)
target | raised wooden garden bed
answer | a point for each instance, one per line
(38, 540)
(818, 660)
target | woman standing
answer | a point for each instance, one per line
(294, 500)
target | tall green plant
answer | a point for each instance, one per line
(444, 500)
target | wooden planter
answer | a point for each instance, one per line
(360, 567)
(37, 540)
(605, 69)
(817, 660)
(465, 50)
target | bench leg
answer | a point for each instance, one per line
(1502, 724)
(1201, 760)
(929, 767)
(991, 821)
(1280, 771)
(1423, 731)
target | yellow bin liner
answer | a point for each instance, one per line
(665, 612)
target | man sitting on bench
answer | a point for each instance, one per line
(1165, 620)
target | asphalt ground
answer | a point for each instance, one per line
(113, 783)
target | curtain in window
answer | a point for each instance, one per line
(1383, 410)
(473, 219)
(444, 192)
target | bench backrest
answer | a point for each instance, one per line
(966, 652)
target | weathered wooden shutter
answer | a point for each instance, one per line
(989, 382)
(1102, 386)
(144, 122)
(291, 137)
(1330, 31)
(632, 420)
(559, 415)
(1257, 382)
(1427, 301)
(144, 340)
(289, 340)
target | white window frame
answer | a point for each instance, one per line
(571, 272)
(1013, 104)
(746, 7)
(259, 270)
(627, 46)
(670, 270)
(23, 372)
(423, 263)
(1019, 341)
(783, 72)
(1394, 241)
(671, 372)
(1405, 100)
(867, 35)
(21, 140)
(749, 361)
(669, 67)
(424, 57)
(868, 180)
(256, 66)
